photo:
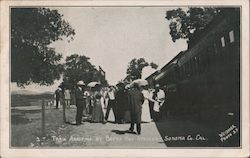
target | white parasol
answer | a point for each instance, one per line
(140, 82)
(93, 84)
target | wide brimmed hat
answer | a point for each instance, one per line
(80, 83)
(93, 84)
(120, 84)
(157, 85)
(140, 82)
(127, 86)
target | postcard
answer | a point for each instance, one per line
(125, 78)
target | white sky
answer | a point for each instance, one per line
(112, 36)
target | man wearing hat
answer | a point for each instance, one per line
(159, 98)
(135, 101)
(57, 94)
(80, 101)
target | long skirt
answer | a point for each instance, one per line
(97, 114)
(135, 116)
(127, 117)
(145, 112)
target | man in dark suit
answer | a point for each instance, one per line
(57, 93)
(80, 101)
(136, 99)
(121, 102)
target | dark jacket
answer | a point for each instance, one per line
(121, 98)
(135, 99)
(80, 98)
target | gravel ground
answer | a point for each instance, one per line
(26, 132)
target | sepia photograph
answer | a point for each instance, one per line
(125, 77)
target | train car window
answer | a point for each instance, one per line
(199, 63)
(236, 34)
(169, 76)
(215, 49)
(231, 36)
(184, 71)
(192, 66)
(178, 69)
(173, 75)
(211, 53)
(196, 64)
(208, 55)
(222, 39)
(177, 76)
(181, 72)
(219, 48)
(189, 70)
(188, 66)
(202, 62)
(205, 61)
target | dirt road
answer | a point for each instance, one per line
(26, 132)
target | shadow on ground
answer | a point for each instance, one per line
(197, 133)
(122, 132)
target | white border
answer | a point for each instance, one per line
(199, 152)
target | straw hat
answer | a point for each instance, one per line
(80, 83)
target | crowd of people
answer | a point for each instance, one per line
(132, 103)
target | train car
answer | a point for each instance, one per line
(168, 78)
(206, 77)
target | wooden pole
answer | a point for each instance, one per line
(64, 114)
(43, 117)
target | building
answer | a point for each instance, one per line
(102, 76)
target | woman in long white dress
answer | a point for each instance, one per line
(145, 106)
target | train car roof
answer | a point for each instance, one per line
(164, 69)
(226, 12)
(196, 39)
(206, 33)
(152, 75)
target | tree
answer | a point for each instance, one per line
(78, 68)
(32, 31)
(135, 67)
(184, 24)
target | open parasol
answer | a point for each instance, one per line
(140, 82)
(93, 84)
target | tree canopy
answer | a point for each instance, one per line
(184, 24)
(32, 31)
(135, 67)
(78, 67)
